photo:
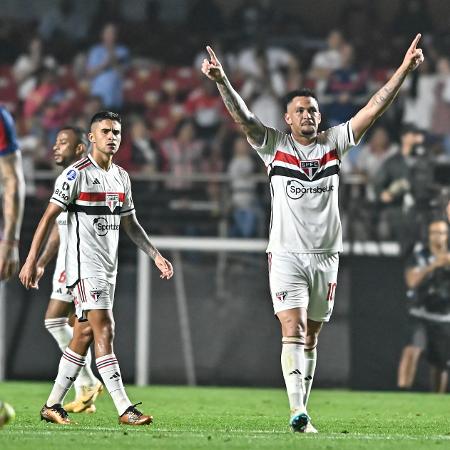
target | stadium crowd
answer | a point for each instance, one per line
(69, 65)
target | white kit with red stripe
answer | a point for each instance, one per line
(304, 182)
(94, 199)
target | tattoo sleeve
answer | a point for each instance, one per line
(384, 97)
(137, 234)
(250, 124)
(13, 196)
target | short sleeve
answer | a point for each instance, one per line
(341, 137)
(66, 188)
(8, 137)
(268, 149)
(128, 205)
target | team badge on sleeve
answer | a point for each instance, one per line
(71, 175)
(281, 296)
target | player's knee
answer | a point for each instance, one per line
(105, 332)
(311, 341)
(86, 334)
(294, 327)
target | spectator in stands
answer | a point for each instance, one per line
(371, 157)
(277, 58)
(182, 154)
(394, 189)
(440, 124)
(263, 92)
(28, 66)
(48, 106)
(327, 60)
(105, 66)
(362, 205)
(206, 108)
(346, 88)
(420, 99)
(243, 191)
(144, 154)
(65, 25)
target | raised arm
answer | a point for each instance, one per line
(137, 234)
(28, 273)
(384, 97)
(250, 124)
(13, 206)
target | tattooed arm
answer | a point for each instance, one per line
(13, 206)
(249, 123)
(384, 97)
(137, 234)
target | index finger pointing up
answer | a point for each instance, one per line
(211, 54)
(414, 42)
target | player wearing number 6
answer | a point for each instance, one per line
(305, 230)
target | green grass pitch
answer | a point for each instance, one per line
(234, 418)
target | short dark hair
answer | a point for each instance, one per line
(79, 133)
(105, 115)
(304, 92)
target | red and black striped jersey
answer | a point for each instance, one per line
(304, 182)
(95, 200)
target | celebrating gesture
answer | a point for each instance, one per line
(414, 56)
(305, 233)
(213, 69)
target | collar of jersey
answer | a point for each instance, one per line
(93, 161)
(304, 146)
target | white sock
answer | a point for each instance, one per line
(293, 366)
(86, 376)
(61, 331)
(69, 368)
(109, 369)
(310, 368)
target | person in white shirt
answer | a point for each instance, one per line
(305, 230)
(70, 146)
(97, 195)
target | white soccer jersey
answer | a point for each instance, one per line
(60, 267)
(304, 182)
(95, 200)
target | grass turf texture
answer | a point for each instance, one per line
(233, 418)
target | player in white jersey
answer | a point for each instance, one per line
(70, 146)
(97, 195)
(305, 231)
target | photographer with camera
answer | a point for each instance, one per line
(428, 279)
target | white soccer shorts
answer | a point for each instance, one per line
(304, 280)
(60, 291)
(93, 293)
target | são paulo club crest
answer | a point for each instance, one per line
(95, 294)
(112, 200)
(281, 296)
(309, 168)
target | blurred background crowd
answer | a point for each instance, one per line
(61, 61)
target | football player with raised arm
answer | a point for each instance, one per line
(305, 230)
